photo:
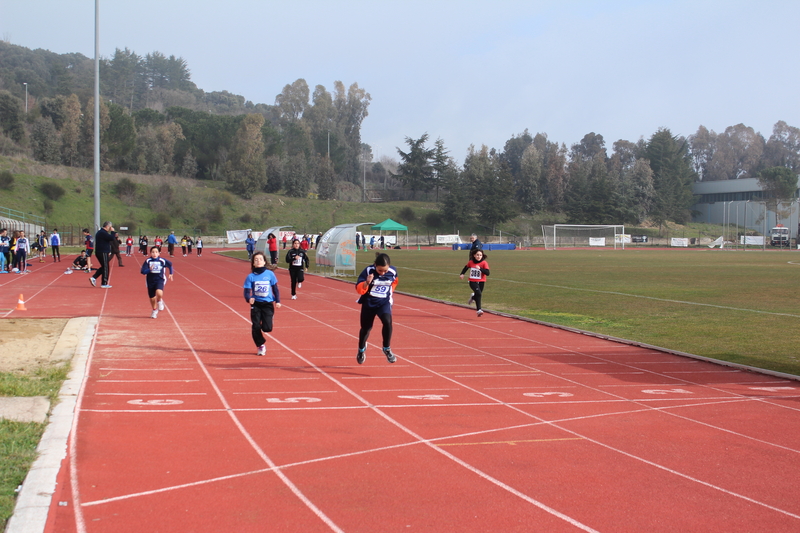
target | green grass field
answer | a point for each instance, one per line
(734, 306)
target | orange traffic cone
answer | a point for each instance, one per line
(21, 304)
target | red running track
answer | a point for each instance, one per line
(490, 424)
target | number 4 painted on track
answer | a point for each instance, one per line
(294, 400)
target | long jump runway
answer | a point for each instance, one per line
(483, 424)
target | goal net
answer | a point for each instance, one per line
(576, 235)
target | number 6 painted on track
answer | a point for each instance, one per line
(294, 400)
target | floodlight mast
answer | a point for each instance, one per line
(96, 114)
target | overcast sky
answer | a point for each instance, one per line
(468, 72)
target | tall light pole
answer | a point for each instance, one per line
(26, 96)
(97, 114)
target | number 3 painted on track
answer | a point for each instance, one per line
(294, 400)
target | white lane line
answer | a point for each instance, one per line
(465, 465)
(146, 380)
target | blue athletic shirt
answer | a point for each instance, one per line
(379, 293)
(262, 286)
(156, 269)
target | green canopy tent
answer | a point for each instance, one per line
(390, 225)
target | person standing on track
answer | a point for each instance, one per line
(376, 285)
(172, 240)
(22, 248)
(478, 270)
(102, 245)
(272, 244)
(5, 247)
(250, 245)
(298, 263)
(155, 268)
(199, 246)
(129, 246)
(88, 243)
(55, 245)
(42, 242)
(261, 292)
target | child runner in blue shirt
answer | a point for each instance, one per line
(261, 292)
(376, 285)
(155, 268)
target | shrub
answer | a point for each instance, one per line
(406, 214)
(434, 220)
(162, 220)
(6, 180)
(215, 214)
(53, 191)
(48, 206)
(125, 187)
(245, 219)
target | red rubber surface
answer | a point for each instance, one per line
(489, 424)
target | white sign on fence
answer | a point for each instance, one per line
(597, 241)
(679, 241)
(755, 240)
(448, 239)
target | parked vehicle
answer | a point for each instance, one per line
(779, 236)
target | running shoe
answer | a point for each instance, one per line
(471, 299)
(154, 314)
(361, 356)
(161, 305)
(389, 355)
(93, 281)
(299, 285)
(104, 286)
(480, 312)
(294, 297)
(262, 350)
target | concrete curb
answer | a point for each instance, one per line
(34, 499)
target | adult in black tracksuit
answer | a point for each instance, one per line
(102, 249)
(298, 260)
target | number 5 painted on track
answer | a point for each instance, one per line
(294, 400)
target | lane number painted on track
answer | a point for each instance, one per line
(294, 400)
(545, 394)
(431, 397)
(666, 391)
(155, 402)
(772, 389)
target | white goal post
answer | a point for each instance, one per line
(578, 235)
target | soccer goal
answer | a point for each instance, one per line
(576, 235)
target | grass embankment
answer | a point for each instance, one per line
(729, 305)
(18, 440)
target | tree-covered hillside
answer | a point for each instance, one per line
(155, 121)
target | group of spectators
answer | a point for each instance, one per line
(17, 249)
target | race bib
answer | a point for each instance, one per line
(262, 289)
(297, 261)
(475, 273)
(156, 268)
(380, 289)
